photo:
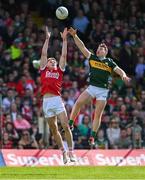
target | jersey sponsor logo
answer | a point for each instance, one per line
(52, 75)
(100, 65)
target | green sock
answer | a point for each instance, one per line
(93, 134)
(71, 122)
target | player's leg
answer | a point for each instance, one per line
(68, 134)
(83, 99)
(64, 122)
(100, 105)
(52, 122)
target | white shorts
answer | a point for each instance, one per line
(98, 92)
(52, 106)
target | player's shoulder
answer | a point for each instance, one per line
(109, 60)
(92, 56)
(42, 69)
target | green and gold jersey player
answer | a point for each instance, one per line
(101, 68)
(100, 71)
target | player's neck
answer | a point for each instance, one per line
(101, 57)
(51, 69)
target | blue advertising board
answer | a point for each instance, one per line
(2, 163)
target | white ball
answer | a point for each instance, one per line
(36, 64)
(61, 12)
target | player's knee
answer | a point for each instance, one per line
(98, 113)
(65, 127)
(97, 117)
(54, 129)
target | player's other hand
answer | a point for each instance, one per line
(72, 31)
(64, 34)
(47, 33)
(126, 79)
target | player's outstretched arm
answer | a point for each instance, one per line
(62, 62)
(79, 43)
(43, 60)
(122, 74)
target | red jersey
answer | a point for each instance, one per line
(51, 81)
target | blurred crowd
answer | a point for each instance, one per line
(118, 23)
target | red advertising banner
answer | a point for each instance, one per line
(84, 157)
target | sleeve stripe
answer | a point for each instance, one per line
(115, 68)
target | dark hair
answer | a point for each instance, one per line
(104, 46)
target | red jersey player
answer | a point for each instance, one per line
(53, 106)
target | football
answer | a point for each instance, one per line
(61, 13)
(36, 64)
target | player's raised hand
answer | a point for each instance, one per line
(47, 33)
(72, 31)
(64, 34)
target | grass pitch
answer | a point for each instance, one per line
(72, 172)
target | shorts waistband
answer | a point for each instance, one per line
(51, 97)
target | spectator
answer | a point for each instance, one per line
(140, 68)
(137, 142)
(13, 111)
(84, 127)
(35, 132)
(85, 131)
(12, 133)
(123, 114)
(112, 100)
(128, 56)
(27, 111)
(26, 142)
(21, 123)
(77, 138)
(101, 142)
(15, 50)
(124, 141)
(7, 143)
(67, 84)
(80, 22)
(8, 99)
(113, 133)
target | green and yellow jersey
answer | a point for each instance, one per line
(100, 71)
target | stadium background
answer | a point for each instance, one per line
(120, 24)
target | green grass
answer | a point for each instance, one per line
(72, 172)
